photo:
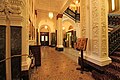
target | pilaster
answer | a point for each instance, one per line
(8, 51)
(77, 28)
(83, 19)
(25, 38)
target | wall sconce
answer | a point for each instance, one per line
(63, 28)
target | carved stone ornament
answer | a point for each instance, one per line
(11, 6)
(83, 18)
(95, 26)
(103, 28)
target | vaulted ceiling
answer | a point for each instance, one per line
(53, 5)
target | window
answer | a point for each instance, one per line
(113, 5)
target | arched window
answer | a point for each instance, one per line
(113, 5)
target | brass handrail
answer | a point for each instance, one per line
(15, 56)
(73, 15)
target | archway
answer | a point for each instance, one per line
(70, 37)
(51, 27)
(68, 32)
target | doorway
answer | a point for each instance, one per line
(69, 39)
(44, 38)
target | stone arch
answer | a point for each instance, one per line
(67, 23)
(48, 23)
(42, 28)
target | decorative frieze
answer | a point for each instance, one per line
(11, 7)
(103, 28)
(14, 20)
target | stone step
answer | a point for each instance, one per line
(115, 66)
(115, 59)
(116, 53)
(112, 74)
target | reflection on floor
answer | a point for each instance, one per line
(58, 66)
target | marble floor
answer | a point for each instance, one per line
(59, 66)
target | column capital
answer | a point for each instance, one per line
(59, 16)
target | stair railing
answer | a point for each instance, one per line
(114, 40)
(14, 57)
(73, 15)
(113, 20)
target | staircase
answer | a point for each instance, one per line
(73, 15)
(111, 71)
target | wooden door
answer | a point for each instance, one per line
(44, 38)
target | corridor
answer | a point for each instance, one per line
(58, 66)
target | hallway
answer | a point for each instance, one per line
(58, 66)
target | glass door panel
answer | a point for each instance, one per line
(46, 38)
(42, 38)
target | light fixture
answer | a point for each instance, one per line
(50, 15)
(113, 5)
(76, 1)
(46, 27)
(63, 28)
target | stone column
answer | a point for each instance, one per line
(59, 46)
(94, 26)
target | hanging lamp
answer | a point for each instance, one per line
(50, 14)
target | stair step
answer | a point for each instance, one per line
(114, 74)
(116, 54)
(99, 76)
(118, 49)
(115, 59)
(115, 66)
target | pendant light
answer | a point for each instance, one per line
(50, 14)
